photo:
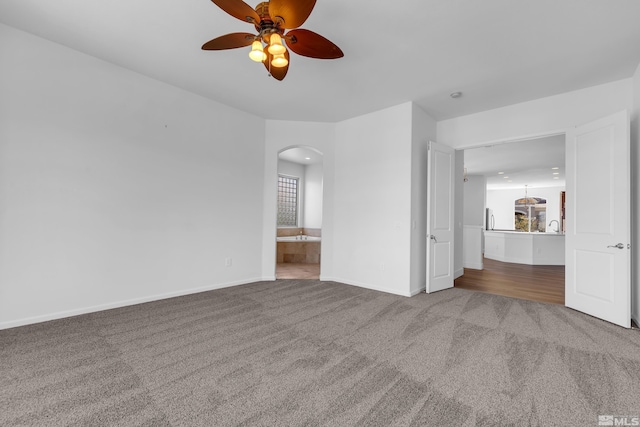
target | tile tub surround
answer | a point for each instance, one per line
(299, 252)
(295, 231)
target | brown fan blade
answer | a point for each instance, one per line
(238, 9)
(277, 73)
(290, 13)
(229, 41)
(308, 43)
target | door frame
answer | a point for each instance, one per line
(543, 134)
(275, 241)
(522, 138)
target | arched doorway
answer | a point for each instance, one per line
(299, 217)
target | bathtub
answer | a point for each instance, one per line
(298, 239)
(298, 249)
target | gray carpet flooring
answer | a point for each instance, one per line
(311, 353)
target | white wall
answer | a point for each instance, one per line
(544, 116)
(280, 135)
(472, 247)
(313, 196)
(423, 130)
(292, 169)
(475, 190)
(115, 188)
(458, 261)
(372, 200)
(635, 198)
(503, 201)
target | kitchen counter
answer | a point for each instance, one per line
(524, 248)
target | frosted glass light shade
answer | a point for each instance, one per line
(279, 61)
(257, 54)
(275, 45)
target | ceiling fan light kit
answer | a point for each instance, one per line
(257, 52)
(270, 20)
(279, 61)
(275, 45)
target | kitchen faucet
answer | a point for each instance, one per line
(556, 221)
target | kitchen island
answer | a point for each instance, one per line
(524, 248)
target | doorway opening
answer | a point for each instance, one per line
(507, 249)
(299, 216)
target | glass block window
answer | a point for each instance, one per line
(287, 201)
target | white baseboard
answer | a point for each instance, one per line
(527, 261)
(417, 291)
(101, 307)
(365, 285)
(458, 273)
(474, 266)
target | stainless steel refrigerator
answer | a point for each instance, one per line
(490, 220)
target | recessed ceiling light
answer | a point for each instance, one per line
(555, 168)
(456, 94)
(505, 177)
(307, 158)
(500, 173)
(556, 173)
(555, 177)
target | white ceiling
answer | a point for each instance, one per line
(534, 163)
(497, 52)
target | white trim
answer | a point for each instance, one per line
(367, 286)
(118, 304)
(522, 138)
(474, 266)
(458, 273)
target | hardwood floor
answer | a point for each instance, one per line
(543, 283)
(288, 270)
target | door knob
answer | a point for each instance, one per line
(619, 246)
(432, 237)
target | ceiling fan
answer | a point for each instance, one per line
(271, 19)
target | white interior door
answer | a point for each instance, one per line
(440, 222)
(597, 278)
